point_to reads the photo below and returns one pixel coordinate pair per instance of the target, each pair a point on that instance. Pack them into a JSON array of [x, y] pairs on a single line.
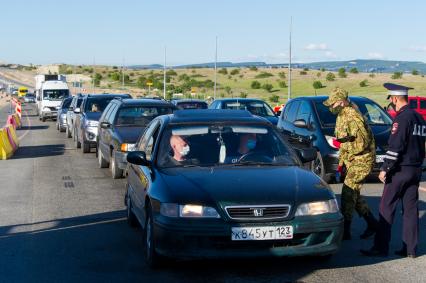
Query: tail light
[[332, 141]]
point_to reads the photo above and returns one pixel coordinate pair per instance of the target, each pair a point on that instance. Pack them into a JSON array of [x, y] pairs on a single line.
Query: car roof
[[146, 101], [188, 100], [215, 115], [239, 99], [107, 95]]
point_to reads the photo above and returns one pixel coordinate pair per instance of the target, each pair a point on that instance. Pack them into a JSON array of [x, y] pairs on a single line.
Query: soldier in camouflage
[[357, 155]]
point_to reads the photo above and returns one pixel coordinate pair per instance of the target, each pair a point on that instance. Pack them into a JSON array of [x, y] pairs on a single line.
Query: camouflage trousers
[[351, 198]]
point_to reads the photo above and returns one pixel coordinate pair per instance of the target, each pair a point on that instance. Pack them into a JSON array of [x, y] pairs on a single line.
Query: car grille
[[258, 212]]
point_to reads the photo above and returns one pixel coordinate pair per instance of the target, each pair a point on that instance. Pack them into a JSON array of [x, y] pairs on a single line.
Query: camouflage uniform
[[356, 153]]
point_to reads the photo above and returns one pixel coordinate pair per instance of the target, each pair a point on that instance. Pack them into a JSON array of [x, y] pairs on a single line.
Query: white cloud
[[417, 48], [316, 47], [375, 55], [268, 58], [330, 54]]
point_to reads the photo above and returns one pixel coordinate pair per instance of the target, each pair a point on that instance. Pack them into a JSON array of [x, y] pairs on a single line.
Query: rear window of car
[[140, 115], [258, 108], [192, 105], [413, 103], [97, 104], [66, 104], [423, 104]]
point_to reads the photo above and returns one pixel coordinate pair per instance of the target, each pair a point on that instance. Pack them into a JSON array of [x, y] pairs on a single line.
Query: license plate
[[380, 158], [262, 233]]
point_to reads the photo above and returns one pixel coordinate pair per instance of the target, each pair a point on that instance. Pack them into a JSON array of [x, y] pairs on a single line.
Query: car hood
[[94, 116], [129, 134], [243, 185]]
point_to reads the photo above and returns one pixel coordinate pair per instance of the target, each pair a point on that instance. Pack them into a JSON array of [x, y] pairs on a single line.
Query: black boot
[[347, 230], [372, 225]]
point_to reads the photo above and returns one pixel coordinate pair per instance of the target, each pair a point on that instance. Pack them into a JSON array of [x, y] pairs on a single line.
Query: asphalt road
[[62, 219]]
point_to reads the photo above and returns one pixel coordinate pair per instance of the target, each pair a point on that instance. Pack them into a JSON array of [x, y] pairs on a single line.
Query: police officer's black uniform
[[403, 162]]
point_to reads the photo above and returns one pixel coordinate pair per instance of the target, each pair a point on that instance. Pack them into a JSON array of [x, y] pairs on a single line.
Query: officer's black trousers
[[400, 185]]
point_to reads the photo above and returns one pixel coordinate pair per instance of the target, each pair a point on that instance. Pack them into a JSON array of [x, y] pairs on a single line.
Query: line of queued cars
[[196, 174]]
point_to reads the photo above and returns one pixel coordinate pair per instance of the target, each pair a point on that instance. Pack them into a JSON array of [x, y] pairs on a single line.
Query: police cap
[[396, 90]]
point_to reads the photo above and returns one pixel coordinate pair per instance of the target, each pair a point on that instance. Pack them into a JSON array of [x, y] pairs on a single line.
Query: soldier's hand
[[382, 176]]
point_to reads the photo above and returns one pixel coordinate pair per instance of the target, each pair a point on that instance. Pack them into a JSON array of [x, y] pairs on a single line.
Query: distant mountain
[[366, 66]]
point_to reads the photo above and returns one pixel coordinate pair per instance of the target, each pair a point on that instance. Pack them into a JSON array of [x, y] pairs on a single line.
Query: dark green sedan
[[225, 183]]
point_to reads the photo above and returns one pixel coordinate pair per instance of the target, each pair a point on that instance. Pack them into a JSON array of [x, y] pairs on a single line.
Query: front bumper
[[90, 134], [49, 114], [314, 235]]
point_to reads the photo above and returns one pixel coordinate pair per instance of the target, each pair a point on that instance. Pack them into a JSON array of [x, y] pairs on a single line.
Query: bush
[[322, 69], [342, 73], [184, 77], [282, 84], [253, 68], [241, 76], [267, 87], [171, 73], [281, 75], [371, 75], [235, 72], [303, 73], [397, 75], [319, 74], [255, 85], [330, 77], [305, 69], [114, 67], [223, 71], [353, 71], [274, 98], [263, 75], [115, 76], [414, 72], [363, 83], [243, 94]]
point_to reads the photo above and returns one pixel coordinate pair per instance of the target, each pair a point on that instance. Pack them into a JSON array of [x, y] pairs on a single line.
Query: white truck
[[50, 91]]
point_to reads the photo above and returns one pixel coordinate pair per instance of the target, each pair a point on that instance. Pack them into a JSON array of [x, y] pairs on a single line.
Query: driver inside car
[[180, 151], [247, 145]]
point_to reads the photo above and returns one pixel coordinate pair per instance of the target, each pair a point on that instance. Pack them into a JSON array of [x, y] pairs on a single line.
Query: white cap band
[[398, 92]]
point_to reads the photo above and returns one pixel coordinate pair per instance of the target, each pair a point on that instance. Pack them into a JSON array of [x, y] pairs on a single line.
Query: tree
[[372, 75], [363, 83], [414, 72], [274, 98], [255, 85], [282, 84], [319, 74], [305, 69], [228, 90], [330, 77], [353, 71], [97, 79], [397, 75], [342, 73], [243, 94], [115, 76], [303, 73], [253, 68], [171, 73], [267, 87], [223, 71], [317, 85], [235, 72], [322, 69], [263, 75]]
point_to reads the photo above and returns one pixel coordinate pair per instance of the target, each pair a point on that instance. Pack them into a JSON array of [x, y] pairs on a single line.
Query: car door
[[422, 107], [287, 120], [303, 136], [102, 143], [109, 133], [139, 177]]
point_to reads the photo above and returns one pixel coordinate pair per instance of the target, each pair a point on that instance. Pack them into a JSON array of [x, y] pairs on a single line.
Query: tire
[[317, 166], [67, 132], [61, 129], [152, 258], [131, 218], [57, 127], [85, 147], [116, 172], [76, 141], [43, 119], [101, 160]]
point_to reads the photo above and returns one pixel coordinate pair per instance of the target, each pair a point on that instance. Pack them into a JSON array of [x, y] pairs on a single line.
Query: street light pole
[[165, 68], [289, 64], [215, 72]]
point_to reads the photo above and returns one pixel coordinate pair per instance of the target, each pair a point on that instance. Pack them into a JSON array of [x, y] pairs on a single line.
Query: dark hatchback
[[305, 120], [254, 106], [190, 104], [120, 126], [209, 207]]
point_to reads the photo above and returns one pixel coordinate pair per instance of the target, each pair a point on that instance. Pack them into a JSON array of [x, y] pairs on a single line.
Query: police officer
[[401, 174], [357, 153]]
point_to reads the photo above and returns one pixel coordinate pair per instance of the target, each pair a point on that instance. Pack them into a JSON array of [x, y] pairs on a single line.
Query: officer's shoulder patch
[[394, 128]]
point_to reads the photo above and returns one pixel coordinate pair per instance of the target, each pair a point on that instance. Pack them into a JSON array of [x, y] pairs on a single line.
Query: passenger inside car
[[95, 108]]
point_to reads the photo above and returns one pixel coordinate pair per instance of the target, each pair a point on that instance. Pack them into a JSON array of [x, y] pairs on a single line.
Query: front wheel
[[76, 141], [115, 171], [67, 132], [153, 259], [85, 147], [317, 166], [131, 218], [101, 160]]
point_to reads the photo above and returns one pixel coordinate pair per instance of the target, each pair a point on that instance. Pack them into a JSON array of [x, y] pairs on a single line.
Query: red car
[[277, 109], [417, 103]]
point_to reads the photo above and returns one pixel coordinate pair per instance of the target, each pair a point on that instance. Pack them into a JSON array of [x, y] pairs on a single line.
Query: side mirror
[[300, 123], [137, 158], [307, 154], [105, 125], [77, 110]]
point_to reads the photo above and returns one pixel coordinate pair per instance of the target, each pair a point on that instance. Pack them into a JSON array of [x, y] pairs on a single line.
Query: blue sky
[[81, 32]]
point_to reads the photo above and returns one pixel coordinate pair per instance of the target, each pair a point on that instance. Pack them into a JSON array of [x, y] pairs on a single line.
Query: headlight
[[316, 208], [46, 109], [90, 123], [188, 211], [127, 147]]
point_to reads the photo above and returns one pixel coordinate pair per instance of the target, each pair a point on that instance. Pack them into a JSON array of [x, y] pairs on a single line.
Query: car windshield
[[66, 103], [230, 145], [140, 115], [372, 112], [192, 105], [97, 104], [55, 94], [258, 108]]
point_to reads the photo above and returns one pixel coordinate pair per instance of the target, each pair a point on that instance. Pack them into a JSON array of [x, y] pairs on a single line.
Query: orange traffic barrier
[[6, 149], [17, 120], [18, 109], [10, 137]]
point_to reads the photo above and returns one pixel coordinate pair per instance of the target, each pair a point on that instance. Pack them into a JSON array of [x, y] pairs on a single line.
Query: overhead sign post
[[149, 84]]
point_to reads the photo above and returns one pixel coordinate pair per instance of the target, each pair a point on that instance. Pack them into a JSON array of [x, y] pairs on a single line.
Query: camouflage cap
[[337, 94]]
